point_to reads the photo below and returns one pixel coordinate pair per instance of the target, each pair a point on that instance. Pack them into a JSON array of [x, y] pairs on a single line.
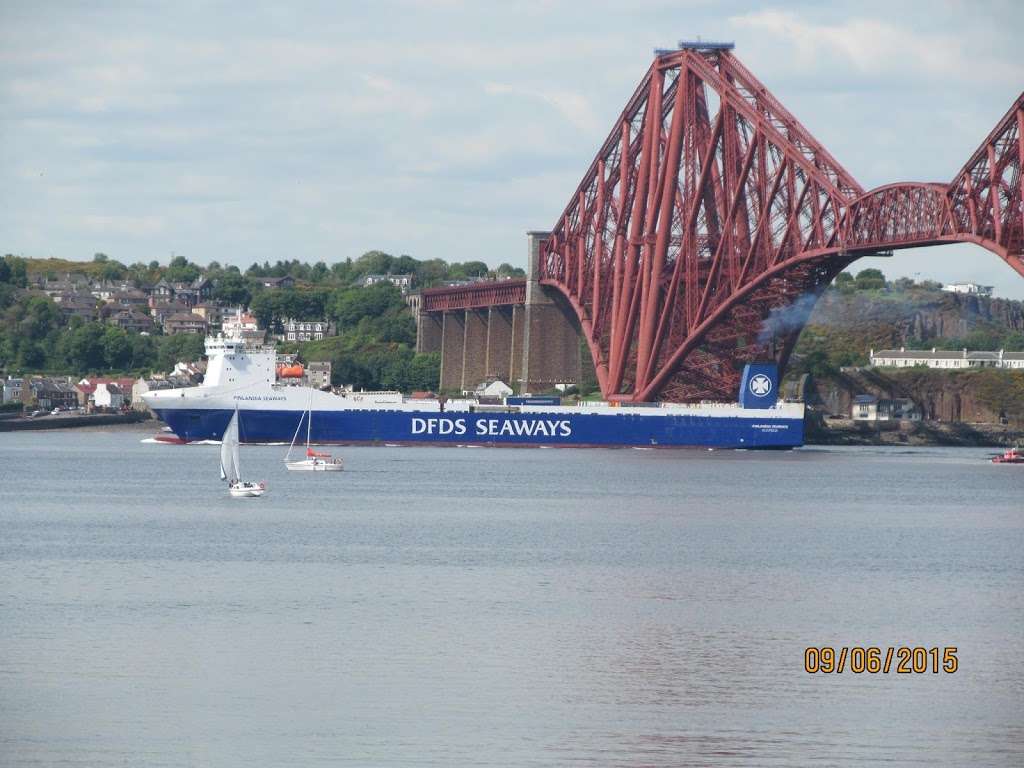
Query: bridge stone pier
[[516, 331]]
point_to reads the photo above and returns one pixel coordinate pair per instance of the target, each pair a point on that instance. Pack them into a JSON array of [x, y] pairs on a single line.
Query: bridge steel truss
[[711, 220]]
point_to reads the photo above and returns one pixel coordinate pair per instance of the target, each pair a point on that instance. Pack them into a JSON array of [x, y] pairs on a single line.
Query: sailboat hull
[[315, 465], [244, 490]]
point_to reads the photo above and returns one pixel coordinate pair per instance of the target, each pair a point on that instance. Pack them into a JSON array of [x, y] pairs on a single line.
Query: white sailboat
[[230, 469], [314, 462]]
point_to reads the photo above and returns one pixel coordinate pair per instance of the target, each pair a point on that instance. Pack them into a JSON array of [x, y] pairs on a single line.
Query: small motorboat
[[1009, 456], [314, 462], [230, 469]]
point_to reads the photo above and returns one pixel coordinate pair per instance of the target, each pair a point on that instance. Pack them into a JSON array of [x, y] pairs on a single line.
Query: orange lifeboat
[[290, 371]]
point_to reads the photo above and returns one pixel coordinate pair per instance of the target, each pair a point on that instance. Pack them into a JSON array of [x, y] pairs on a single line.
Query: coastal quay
[[18, 424]]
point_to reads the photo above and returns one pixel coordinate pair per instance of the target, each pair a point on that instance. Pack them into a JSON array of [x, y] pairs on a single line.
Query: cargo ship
[[242, 374]]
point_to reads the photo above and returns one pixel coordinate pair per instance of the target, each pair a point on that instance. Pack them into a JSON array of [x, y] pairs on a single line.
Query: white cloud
[[124, 225], [434, 127], [876, 47], [571, 105]]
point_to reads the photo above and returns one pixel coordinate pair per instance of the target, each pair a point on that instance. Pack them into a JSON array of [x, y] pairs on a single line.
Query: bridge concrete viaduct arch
[[516, 331], [551, 332]]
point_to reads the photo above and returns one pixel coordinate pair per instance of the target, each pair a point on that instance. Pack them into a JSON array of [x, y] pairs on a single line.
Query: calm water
[[503, 607]]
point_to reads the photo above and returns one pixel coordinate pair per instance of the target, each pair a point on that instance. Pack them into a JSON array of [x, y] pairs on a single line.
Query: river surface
[[515, 607]]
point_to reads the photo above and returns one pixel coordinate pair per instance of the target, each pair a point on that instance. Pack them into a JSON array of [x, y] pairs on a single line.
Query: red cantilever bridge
[[711, 220]]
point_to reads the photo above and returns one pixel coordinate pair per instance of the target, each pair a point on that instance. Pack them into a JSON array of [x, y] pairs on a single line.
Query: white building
[[239, 325], [108, 395], [305, 330], [950, 359], [318, 374], [971, 288], [494, 388], [871, 408], [403, 282]]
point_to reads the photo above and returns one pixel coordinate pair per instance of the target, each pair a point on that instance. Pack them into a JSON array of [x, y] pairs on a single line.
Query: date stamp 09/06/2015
[[902, 660]]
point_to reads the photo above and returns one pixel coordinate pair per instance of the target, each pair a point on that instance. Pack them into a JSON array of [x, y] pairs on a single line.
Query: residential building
[[402, 282], [131, 319], [211, 313], [960, 359], [305, 330], [69, 282], [86, 388], [203, 288], [191, 372], [184, 322], [12, 389], [240, 325], [130, 298], [872, 408], [76, 305], [51, 393], [318, 375], [161, 312], [162, 292], [969, 288], [58, 289], [108, 396], [184, 293], [277, 282], [494, 388]]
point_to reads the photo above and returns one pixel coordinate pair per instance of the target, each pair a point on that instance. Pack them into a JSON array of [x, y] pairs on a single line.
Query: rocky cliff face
[[980, 397], [914, 318]]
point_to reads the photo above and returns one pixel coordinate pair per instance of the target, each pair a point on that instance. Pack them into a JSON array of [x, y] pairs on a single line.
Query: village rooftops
[[287, 281], [946, 358]]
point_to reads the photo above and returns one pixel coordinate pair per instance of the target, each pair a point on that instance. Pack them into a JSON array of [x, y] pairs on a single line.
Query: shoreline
[[133, 420], [911, 433]]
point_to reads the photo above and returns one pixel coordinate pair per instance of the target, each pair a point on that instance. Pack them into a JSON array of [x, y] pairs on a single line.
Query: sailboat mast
[[294, 437], [309, 422]]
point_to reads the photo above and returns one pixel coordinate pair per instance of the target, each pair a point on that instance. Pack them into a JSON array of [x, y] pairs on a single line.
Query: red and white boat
[[314, 462], [1009, 456]]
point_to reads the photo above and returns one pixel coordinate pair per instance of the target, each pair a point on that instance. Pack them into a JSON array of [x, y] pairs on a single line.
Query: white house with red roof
[[94, 391]]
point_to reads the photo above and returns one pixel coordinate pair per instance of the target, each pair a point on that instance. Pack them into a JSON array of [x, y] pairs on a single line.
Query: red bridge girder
[[711, 220], [474, 296]]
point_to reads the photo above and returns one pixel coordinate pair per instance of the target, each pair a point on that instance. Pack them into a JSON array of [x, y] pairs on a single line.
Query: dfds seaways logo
[[493, 427], [760, 385]]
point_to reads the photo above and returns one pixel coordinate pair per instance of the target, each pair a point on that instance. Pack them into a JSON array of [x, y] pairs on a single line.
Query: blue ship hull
[[557, 428]]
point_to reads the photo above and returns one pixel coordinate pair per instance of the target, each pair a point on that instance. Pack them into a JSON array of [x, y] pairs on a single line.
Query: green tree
[[425, 372], [19, 270], [507, 270], [112, 270], [372, 263], [180, 348], [265, 308], [181, 270], [232, 288], [870, 280], [117, 349], [350, 305], [82, 348], [143, 351]]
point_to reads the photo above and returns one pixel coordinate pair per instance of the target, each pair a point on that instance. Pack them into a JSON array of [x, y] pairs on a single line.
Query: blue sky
[[259, 131]]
